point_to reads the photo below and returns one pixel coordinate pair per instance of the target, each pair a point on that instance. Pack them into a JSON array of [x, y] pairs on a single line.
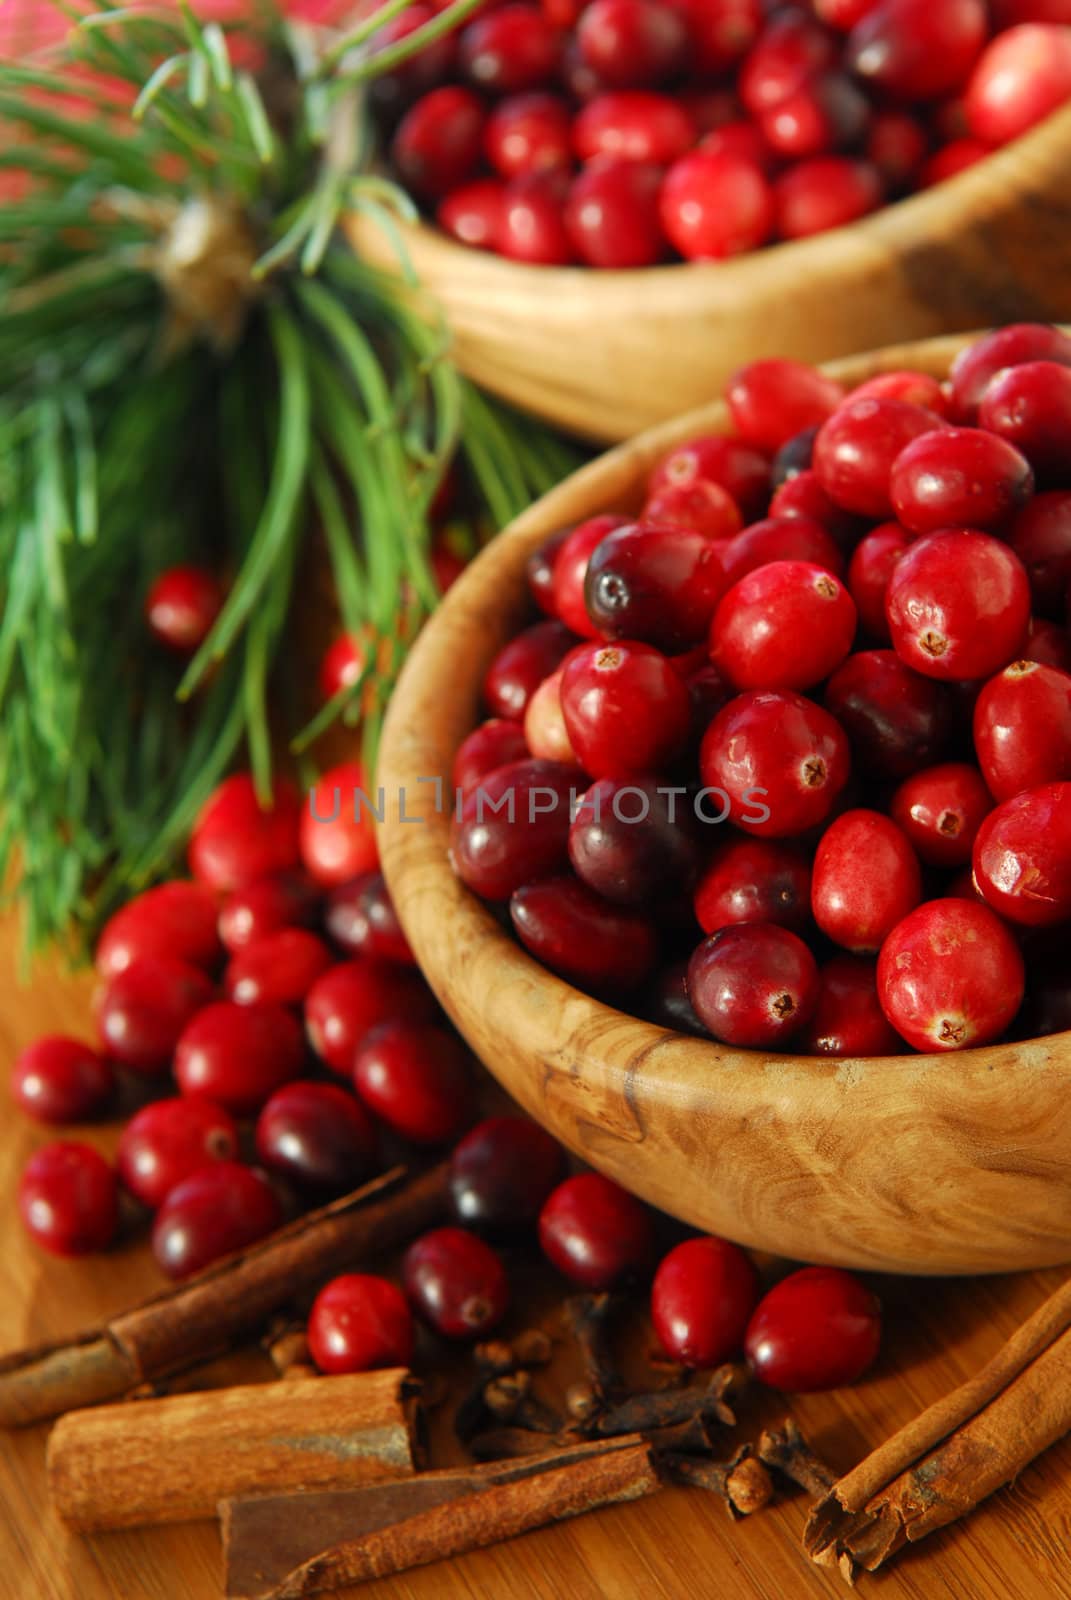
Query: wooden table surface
[[679, 1545]]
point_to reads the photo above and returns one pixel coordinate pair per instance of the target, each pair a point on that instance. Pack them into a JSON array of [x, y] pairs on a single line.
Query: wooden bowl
[[610, 353], [925, 1163]]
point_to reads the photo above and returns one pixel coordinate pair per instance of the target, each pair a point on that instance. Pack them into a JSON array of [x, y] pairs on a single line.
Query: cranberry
[[625, 708], [634, 125], [912, 388], [539, 570], [870, 573], [950, 976], [668, 1004], [940, 810], [495, 743], [279, 969], [918, 49], [823, 193], [263, 907], [720, 32], [772, 400], [1022, 728], [1010, 13], [358, 1323], [472, 214], [510, 49], [414, 1076], [422, 71], [728, 464], [595, 1233], [167, 1141], [175, 920], [68, 1200], [804, 498], [710, 108], [847, 1019], [631, 43], [57, 1079], [754, 880], [715, 205], [529, 133], [979, 363], [1022, 857], [544, 725], [1048, 643], [612, 214], [633, 841], [455, 1282], [532, 223], [338, 841], [742, 141], [702, 1296], [855, 451], [513, 828], [238, 1055], [522, 665], [819, 1328], [824, 114], [318, 1136], [794, 539], [896, 720], [896, 145], [656, 584], [787, 625], [753, 984], [142, 1010], [502, 1172], [342, 665], [438, 142], [951, 160], [361, 919], [960, 475], [794, 457], [349, 1000], [181, 607], [217, 1210], [570, 569], [792, 50], [866, 880], [236, 840], [1030, 407], [781, 761], [958, 605], [1041, 538], [591, 941], [1023, 76]]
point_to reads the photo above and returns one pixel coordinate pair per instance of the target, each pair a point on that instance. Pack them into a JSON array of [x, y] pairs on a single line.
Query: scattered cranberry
[[181, 607], [342, 665], [855, 451], [780, 760], [236, 840], [318, 1136], [521, 666], [217, 1210], [656, 584], [358, 1323], [847, 1019], [743, 472], [1030, 407], [279, 969], [514, 827], [787, 625], [959, 476], [250, 914], [950, 976], [897, 721], [754, 880], [823, 193], [509, 50], [958, 605], [167, 1141], [625, 708], [337, 836], [414, 1076], [819, 1328], [349, 1000], [979, 363], [773, 400], [237, 1056], [1023, 75], [701, 1299], [1022, 728], [714, 205], [633, 125], [1022, 857], [866, 880], [501, 1173], [361, 919], [940, 810], [753, 984], [142, 1010], [439, 140], [68, 1200], [456, 1283], [589, 940], [612, 214], [595, 1233], [631, 43], [496, 743], [57, 1079], [174, 920], [1041, 538]]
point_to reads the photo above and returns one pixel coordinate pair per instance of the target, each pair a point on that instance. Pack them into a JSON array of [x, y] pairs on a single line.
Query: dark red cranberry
[[819, 1328], [174, 920], [338, 840], [866, 880], [532, 222], [917, 49], [950, 976], [1022, 77], [848, 1019], [511, 49], [625, 708], [68, 1199], [959, 476], [358, 1323], [896, 720], [238, 1055], [702, 1296], [570, 569], [529, 133], [941, 810], [742, 141], [56, 1079], [792, 50], [634, 125], [804, 498], [951, 160], [438, 142], [612, 214], [897, 146], [472, 214], [318, 1136], [181, 607], [711, 458], [349, 1000], [958, 605], [753, 984], [780, 538], [1030, 407], [1022, 857], [456, 1283], [780, 761], [668, 1004], [236, 840], [1047, 643], [493, 744], [631, 44], [656, 584], [1047, 1007], [586, 939], [825, 192], [142, 1010], [1022, 728], [855, 451], [167, 1141], [502, 1172], [772, 400], [521, 666], [824, 114], [595, 1233], [341, 667], [633, 841], [1041, 538], [513, 828], [221, 1208], [787, 625], [754, 880], [249, 915], [714, 205], [279, 969], [415, 1077], [870, 573], [539, 570], [702, 506], [979, 363], [360, 917], [720, 32], [794, 457]]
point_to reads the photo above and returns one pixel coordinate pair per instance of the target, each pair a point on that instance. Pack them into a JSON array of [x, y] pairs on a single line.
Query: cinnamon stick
[[202, 1317]]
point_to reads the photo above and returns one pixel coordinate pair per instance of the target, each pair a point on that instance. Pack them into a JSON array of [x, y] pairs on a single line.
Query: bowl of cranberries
[[729, 805], [623, 200]]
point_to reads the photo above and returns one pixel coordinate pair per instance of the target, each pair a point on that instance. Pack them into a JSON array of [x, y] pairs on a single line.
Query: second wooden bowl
[[926, 1163]]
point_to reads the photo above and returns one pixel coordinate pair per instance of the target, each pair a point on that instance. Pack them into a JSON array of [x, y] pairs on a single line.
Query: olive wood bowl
[[609, 353], [947, 1163]]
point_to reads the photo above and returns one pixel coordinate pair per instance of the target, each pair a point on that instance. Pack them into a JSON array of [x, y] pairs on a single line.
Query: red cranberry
[[502, 1172], [917, 49], [855, 451], [896, 720], [263, 907], [438, 142], [958, 605], [824, 114], [68, 1200], [456, 1283], [1022, 728], [570, 569], [742, 141], [847, 1019], [532, 223], [656, 584], [951, 160], [703, 507], [1022, 857], [872, 566], [781, 538], [781, 761], [710, 108], [472, 214], [791, 51], [1030, 407], [361, 919], [633, 841], [56, 1079], [217, 1210], [1010, 13], [529, 133], [544, 725], [631, 43], [1048, 643], [1023, 76], [612, 214], [720, 32], [866, 880], [950, 976], [513, 828], [539, 570], [510, 49], [634, 125], [338, 841], [1041, 538], [754, 880], [521, 666], [702, 1296], [349, 1000], [595, 1233], [823, 193], [896, 145], [493, 744], [753, 984], [181, 607], [912, 388], [959, 476], [176, 920], [142, 1010], [941, 810], [358, 1323], [238, 1055], [741, 471], [414, 1076], [772, 400], [787, 625], [318, 1136], [979, 363], [279, 969], [236, 840], [586, 939], [715, 205], [819, 1328], [342, 665], [167, 1141], [804, 498], [625, 708]]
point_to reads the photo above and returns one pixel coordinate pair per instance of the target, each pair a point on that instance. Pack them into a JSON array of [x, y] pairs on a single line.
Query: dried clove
[[509, 1399], [288, 1348], [786, 1450], [742, 1482], [664, 1408], [496, 1358], [589, 1317]]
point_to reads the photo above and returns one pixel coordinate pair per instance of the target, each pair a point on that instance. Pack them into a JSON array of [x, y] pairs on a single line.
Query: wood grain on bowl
[[932, 1164]]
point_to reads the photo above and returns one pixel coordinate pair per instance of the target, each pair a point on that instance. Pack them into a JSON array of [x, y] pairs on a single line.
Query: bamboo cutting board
[[679, 1545]]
